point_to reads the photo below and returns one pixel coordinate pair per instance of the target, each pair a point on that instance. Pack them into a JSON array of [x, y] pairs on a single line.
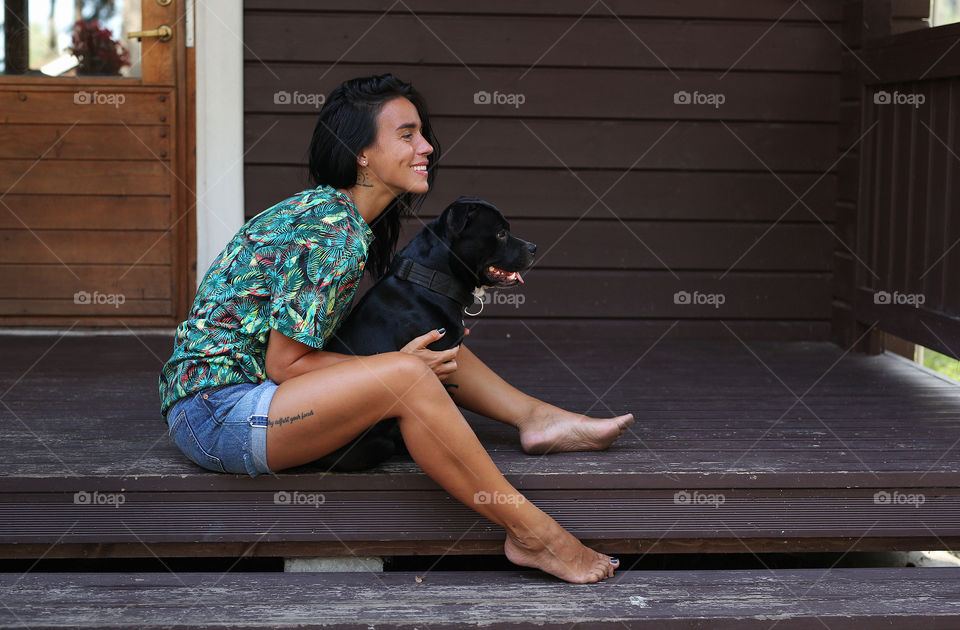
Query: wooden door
[[96, 176]]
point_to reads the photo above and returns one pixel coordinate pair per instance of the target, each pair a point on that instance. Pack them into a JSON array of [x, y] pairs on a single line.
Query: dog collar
[[407, 269]]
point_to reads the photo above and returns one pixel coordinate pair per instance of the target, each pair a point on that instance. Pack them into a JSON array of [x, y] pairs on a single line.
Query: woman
[[249, 388]]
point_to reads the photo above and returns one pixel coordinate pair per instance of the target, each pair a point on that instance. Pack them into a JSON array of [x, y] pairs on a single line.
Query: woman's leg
[[544, 428], [315, 413]]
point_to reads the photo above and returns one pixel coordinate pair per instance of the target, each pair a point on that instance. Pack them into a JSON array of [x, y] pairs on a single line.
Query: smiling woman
[[250, 388]]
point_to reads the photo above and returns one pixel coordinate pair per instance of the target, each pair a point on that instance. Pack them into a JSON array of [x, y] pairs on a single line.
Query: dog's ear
[[458, 213]]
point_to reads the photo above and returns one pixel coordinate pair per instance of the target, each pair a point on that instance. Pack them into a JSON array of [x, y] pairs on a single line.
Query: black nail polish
[[614, 561], [441, 330]]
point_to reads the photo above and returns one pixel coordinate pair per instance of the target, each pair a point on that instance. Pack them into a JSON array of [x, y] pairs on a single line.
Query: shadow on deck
[[766, 446]]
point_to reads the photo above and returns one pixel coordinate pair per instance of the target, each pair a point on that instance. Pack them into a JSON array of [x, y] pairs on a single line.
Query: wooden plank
[[117, 212], [843, 276], [84, 142], [900, 598], [746, 397], [614, 93], [951, 260], [906, 25], [85, 177], [747, 9], [615, 244], [923, 326], [939, 204], [917, 9], [33, 312], [586, 144], [102, 247], [499, 329], [141, 281], [923, 54], [173, 516], [525, 41], [849, 123], [287, 549], [575, 293], [122, 104], [845, 227], [700, 195]]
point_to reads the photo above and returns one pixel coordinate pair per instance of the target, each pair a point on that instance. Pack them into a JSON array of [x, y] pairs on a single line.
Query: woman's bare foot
[[565, 557], [551, 429]]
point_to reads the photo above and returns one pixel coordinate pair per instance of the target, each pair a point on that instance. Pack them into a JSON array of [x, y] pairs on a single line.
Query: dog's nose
[[532, 247]]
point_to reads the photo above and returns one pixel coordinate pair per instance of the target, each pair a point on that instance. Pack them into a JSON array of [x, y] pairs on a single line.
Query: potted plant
[[96, 50]]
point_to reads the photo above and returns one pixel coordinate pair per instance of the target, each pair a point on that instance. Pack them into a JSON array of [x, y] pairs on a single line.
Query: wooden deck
[[764, 446], [842, 599]]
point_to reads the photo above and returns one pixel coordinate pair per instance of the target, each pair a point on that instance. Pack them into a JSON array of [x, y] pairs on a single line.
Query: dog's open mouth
[[501, 277]]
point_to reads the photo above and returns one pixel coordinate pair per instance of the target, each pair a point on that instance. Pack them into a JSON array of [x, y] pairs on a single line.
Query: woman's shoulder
[[323, 203]]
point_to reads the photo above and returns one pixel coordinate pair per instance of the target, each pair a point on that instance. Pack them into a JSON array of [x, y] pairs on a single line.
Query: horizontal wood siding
[[85, 205], [692, 197]]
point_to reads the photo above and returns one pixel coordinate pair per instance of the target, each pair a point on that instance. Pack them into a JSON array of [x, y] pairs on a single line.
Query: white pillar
[[219, 57]]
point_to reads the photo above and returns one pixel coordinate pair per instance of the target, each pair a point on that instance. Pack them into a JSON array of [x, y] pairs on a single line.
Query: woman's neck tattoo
[[362, 180]]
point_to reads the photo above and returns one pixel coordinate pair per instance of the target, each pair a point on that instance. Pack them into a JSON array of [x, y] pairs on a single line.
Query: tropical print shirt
[[294, 267]]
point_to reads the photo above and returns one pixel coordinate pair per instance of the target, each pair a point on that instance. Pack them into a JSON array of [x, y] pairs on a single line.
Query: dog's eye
[[502, 234]]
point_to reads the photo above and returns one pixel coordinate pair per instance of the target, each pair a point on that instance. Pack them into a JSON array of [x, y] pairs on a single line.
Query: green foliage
[[947, 366]]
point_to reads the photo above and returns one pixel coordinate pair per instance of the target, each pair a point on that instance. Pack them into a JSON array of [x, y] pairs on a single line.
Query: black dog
[[429, 285]]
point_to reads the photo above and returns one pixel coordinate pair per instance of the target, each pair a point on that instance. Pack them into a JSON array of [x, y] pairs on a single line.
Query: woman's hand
[[442, 362]]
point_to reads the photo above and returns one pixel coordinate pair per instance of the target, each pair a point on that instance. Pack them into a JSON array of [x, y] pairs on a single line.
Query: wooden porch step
[[838, 599], [724, 457]]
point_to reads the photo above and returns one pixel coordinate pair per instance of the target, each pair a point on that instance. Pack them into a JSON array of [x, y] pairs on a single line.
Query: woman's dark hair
[[347, 125]]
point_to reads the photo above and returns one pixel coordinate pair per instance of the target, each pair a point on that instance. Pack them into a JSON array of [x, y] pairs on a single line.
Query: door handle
[[164, 33]]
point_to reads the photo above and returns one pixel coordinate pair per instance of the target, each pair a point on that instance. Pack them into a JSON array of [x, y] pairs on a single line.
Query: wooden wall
[[898, 198], [694, 197], [87, 221]]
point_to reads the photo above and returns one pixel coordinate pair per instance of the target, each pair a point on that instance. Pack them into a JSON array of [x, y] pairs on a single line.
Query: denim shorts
[[224, 429]]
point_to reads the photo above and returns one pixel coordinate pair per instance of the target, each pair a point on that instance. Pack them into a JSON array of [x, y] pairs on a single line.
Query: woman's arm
[[287, 358]]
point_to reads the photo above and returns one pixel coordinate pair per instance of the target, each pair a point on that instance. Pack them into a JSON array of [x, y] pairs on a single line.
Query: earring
[[363, 162]]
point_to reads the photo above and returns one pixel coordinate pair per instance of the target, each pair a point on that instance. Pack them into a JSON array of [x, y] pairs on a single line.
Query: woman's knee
[[407, 366], [416, 378]]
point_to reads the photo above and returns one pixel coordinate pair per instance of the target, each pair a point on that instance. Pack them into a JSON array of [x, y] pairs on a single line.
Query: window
[[944, 12], [69, 37]]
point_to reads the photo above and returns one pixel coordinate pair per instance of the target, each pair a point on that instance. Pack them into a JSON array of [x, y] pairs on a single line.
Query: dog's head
[[482, 249]]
